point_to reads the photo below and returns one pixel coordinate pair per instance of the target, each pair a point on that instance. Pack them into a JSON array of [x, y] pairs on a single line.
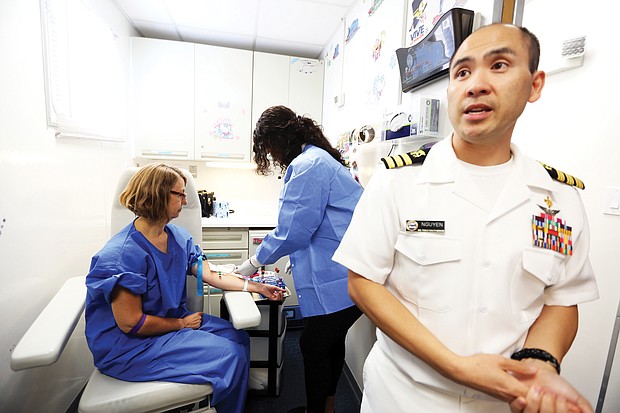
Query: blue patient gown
[[216, 353]]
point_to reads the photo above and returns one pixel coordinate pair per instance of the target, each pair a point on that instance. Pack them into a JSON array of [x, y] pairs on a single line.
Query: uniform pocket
[[540, 269], [424, 266], [429, 250], [546, 265]]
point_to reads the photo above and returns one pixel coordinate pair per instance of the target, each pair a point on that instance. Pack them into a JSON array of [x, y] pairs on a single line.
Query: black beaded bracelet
[[536, 353]]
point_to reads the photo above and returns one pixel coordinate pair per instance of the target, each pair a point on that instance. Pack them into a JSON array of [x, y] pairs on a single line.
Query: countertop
[[246, 215]]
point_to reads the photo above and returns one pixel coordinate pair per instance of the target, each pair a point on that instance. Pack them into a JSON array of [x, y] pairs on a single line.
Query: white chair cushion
[[242, 309], [104, 394]]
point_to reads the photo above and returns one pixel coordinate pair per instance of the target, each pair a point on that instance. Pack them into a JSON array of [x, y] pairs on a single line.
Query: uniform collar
[[441, 164]]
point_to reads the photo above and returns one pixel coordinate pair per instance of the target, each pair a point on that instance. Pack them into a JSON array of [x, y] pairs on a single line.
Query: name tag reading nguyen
[[413, 225]]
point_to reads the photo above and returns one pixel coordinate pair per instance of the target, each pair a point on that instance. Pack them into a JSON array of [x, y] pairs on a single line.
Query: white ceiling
[[293, 27]]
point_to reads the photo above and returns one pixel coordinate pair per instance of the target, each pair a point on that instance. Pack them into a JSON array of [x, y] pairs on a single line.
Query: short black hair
[[529, 37]]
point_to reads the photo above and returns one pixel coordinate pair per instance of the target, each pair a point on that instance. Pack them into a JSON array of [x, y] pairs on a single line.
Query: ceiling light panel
[[236, 41], [299, 20], [150, 10], [157, 30], [229, 16], [288, 48]]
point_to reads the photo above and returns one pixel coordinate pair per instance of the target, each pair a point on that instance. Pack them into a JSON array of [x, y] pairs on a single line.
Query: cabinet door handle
[[219, 156], [167, 153]]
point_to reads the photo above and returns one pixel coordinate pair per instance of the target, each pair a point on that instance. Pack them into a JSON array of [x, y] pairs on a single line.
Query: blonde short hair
[[148, 191]]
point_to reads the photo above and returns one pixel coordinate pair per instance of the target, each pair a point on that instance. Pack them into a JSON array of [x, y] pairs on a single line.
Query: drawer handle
[[227, 238], [223, 255]]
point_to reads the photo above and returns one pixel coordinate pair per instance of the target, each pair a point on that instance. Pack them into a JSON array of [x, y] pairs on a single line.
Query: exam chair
[[44, 341]]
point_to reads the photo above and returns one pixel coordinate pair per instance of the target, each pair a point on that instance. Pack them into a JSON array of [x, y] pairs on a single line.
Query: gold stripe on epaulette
[[563, 177], [404, 159], [399, 161]]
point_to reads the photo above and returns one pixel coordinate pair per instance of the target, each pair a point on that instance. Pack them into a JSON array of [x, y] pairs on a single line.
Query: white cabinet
[[290, 81], [191, 101], [201, 102], [222, 246], [162, 74], [305, 95], [223, 103], [271, 72]]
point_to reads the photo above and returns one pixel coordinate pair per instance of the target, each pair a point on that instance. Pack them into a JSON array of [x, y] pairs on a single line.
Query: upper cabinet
[[200, 102], [163, 98], [223, 103], [290, 81], [305, 94], [271, 73]]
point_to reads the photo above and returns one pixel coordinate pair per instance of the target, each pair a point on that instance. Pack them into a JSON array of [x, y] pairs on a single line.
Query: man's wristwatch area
[[536, 353]]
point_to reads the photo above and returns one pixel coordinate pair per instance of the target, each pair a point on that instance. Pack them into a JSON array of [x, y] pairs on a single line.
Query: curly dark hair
[[280, 132]]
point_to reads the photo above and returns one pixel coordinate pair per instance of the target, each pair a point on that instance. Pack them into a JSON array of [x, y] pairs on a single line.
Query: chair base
[[104, 394]]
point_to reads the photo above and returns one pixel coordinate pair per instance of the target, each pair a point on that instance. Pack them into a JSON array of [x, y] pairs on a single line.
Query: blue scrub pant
[[216, 353]]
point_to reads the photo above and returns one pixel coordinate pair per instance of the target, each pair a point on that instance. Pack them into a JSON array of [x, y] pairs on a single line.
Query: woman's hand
[[268, 291], [192, 321]]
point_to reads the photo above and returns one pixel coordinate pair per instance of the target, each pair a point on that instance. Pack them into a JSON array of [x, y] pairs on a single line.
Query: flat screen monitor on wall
[[429, 59]]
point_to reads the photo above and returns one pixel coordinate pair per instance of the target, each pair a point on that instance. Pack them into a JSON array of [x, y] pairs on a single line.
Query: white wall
[[573, 128], [244, 190], [54, 209]]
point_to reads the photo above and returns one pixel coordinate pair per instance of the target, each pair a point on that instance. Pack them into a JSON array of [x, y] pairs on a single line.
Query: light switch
[[612, 201]]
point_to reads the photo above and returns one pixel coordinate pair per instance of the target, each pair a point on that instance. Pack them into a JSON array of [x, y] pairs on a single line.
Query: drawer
[[259, 349], [235, 257], [259, 379], [264, 318], [220, 238]]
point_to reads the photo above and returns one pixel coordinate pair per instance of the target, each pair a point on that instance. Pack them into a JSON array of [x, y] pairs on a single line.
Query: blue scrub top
[[316, 205]]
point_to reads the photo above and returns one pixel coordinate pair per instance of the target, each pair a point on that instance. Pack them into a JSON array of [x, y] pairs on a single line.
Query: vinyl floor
[[292, 393]]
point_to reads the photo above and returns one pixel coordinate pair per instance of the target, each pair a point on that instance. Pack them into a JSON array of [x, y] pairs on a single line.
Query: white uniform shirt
[[480, 285]]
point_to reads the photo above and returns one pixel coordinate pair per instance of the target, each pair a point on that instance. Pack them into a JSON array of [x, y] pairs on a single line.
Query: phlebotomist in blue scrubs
[[137, 324], [316, 205]]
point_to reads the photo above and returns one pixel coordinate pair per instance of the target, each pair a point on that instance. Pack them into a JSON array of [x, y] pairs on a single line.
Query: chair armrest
[[46, 338], [242, 309]]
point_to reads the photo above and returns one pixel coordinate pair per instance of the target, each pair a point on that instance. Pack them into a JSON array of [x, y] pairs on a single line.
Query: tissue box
[[428, 123]]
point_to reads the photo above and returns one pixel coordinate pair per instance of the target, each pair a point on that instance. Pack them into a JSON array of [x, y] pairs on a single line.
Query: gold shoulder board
[[403, 159], [563, 177]]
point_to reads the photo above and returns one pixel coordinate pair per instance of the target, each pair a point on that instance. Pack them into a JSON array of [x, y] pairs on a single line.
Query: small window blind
[[84, 72]]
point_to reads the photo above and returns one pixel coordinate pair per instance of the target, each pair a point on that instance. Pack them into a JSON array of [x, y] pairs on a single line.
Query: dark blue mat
[[292, 393]]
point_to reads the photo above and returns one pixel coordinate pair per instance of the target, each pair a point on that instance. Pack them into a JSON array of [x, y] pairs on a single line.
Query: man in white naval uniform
[[474, 256]]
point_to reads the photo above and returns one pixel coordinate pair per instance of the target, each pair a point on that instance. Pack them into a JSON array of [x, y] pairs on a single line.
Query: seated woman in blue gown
[[138, 327]]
